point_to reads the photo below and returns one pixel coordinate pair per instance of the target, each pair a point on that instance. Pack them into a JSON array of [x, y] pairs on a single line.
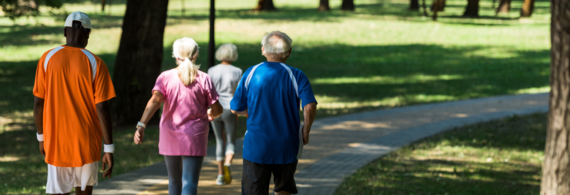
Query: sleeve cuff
[[39, 95], [99, 100]]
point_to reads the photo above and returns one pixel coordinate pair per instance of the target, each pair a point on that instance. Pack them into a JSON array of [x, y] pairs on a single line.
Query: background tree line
[[142, 43]]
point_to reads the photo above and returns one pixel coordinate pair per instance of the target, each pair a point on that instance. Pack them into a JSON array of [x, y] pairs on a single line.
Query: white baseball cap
[[78, 16]]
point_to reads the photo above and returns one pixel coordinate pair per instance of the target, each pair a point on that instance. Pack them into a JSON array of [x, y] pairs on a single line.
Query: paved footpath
[[341, 145]]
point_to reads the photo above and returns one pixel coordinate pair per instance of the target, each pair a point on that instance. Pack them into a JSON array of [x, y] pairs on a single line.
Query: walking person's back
[[72, 114], [271, 93], [225, 77], [186, 93]]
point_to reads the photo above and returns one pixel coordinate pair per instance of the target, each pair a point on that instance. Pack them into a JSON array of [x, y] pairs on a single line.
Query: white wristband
[[40, 137], [109, 148], [141, 124]]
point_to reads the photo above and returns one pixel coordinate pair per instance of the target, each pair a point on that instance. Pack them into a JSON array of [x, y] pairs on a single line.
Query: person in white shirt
[[225, 77]]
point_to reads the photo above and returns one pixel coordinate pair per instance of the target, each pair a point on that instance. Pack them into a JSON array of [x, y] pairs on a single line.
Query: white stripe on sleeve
[[49, 55], [93, 62]]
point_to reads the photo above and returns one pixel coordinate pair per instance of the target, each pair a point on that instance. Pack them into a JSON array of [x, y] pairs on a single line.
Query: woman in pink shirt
[[187, 93]]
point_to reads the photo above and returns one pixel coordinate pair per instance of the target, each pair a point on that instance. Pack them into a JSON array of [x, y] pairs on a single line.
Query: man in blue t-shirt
[[271, 93]]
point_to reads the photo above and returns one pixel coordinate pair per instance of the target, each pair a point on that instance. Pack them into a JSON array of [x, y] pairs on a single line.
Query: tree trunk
[[437, 6], [265, 5], [424, 7], [504, 6], [556, 165], [324, 5], [212, 42], [103, 3], [414, 5], [527, 8], [139, 59], [183, 7], [347, 5], [472, 9]]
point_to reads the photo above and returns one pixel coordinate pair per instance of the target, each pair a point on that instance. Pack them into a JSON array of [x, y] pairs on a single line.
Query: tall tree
[[103, 3], [472, 9], [437, 6], [556, 165], [324, 5], [139, 58], [347, 5], [527, 8], [212, 42], [183, 7], [265, 5], [504, 6], [415, 5], [424, 8]]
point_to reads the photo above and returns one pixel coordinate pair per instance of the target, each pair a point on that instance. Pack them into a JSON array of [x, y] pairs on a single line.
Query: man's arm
[[240, 112], [309, 112], [39, 119], [104, 113]]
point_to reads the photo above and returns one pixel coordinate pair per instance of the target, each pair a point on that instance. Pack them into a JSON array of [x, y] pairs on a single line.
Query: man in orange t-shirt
[[71, 110]]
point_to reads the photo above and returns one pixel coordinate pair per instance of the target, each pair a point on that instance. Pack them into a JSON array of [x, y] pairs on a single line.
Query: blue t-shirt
[[273, 124]]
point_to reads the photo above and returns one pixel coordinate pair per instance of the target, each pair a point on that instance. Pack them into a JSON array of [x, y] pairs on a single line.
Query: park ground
[[379, 56]]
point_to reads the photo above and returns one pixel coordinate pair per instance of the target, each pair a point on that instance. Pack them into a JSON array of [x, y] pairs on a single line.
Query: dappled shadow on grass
[[17, 81], [497, 157], [30, 35], [26, 171], [361, 78]]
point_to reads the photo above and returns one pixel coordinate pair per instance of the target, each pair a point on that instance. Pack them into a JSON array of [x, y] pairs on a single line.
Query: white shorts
[[62, 180]]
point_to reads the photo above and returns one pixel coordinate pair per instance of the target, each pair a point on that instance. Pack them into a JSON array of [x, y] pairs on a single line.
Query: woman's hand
[[210, 117], [139, 135]]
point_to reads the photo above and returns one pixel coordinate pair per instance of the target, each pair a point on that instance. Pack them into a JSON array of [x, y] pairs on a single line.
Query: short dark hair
[[79, 25]]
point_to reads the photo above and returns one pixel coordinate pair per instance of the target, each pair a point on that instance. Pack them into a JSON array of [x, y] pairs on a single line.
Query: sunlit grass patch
[[498, 157]]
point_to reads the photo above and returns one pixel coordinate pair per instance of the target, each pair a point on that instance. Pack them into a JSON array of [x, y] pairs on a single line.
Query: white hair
[[276, 44], [227, 52], [185, 50]]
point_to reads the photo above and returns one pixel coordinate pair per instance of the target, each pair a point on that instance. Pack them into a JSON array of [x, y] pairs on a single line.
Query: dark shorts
[[256, 178]]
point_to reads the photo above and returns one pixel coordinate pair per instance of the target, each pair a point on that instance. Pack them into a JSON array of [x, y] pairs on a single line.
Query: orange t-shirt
[[72, 81]]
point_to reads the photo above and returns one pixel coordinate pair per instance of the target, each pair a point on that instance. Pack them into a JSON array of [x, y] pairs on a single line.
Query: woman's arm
[[151, 107], [215, 111]]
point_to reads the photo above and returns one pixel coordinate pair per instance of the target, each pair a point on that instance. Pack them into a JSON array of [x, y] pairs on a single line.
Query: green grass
[[498, 157], [379, 56]]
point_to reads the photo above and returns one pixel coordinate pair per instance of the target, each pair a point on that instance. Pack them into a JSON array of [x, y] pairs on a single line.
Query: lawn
[[498, 157], [379, 56]]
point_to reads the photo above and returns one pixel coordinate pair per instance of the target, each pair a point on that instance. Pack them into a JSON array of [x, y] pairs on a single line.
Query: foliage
[[498, 157], [18, 8], [378, 56]]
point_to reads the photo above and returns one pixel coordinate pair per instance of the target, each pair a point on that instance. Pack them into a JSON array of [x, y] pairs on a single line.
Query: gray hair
[[276, 44], [227, 52]]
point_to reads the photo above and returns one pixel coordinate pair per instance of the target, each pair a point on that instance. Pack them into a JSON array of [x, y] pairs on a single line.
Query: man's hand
[[108, 162], [42, 151], [309, 112], [139, 135], [305, 138]]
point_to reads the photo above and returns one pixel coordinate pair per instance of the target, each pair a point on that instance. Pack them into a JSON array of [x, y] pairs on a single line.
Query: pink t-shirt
[[184, 122]]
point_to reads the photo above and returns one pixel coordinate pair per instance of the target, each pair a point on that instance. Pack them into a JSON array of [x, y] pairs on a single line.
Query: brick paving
[[341, 145]]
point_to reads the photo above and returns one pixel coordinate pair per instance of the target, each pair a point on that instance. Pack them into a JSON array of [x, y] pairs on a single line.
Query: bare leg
[[282, 193], [229, 158], [220, 167], [88, 190]]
